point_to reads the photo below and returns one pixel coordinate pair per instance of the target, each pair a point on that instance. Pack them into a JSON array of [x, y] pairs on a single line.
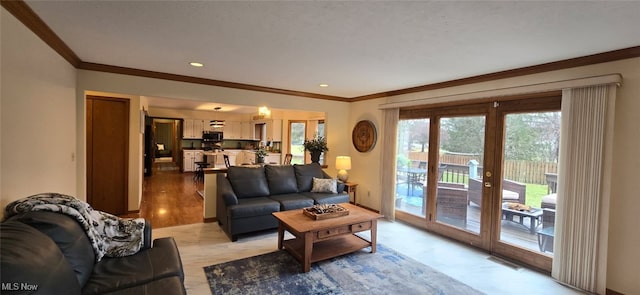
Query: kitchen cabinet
[[192, 128], [274, 130], [247, 131], [272, 158], [189, 157], [239, 130], [232, 130]]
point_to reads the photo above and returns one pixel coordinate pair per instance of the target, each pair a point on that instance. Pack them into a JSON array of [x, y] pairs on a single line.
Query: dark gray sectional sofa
[[247, 196]]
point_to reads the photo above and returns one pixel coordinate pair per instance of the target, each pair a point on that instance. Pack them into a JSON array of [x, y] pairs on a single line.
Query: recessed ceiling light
[[196, 64], [324, 85]]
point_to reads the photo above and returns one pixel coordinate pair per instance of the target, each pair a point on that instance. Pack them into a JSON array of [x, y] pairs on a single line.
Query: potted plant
[[260, 154], [316, 146]]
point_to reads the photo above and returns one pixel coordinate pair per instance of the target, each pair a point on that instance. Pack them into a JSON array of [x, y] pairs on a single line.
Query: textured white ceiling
[[357, 47]]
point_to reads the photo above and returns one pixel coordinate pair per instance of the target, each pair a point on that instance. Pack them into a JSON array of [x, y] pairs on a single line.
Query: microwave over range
[[212, 136]]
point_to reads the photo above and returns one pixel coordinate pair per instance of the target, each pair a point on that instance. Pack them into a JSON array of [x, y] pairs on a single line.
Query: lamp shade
[[343, 162]]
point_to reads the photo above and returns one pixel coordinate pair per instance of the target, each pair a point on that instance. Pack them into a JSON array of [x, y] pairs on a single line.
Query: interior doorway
[[164, 144], [107, 135]]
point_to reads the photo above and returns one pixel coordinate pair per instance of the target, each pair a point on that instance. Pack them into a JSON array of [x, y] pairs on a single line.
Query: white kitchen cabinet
[[274, 130], [192, 128], [272, 158], [189, 157], [232, 130], [239, 130], [247, 131]]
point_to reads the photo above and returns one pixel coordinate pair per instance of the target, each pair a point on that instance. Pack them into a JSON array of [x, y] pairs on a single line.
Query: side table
[[545, 239], [351, 187]]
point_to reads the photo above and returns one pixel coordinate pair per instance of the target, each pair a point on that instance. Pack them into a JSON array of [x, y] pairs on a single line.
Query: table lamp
[[343, 163]]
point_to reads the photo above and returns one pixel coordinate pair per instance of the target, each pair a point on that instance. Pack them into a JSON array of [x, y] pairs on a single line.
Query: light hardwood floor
[[175, 209]]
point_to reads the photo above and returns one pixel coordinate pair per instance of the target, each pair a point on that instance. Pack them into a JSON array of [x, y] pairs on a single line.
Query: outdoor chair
[[475, 191], [451, 204]]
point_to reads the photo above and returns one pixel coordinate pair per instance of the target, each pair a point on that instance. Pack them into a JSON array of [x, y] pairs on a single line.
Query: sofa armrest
[[146, 235], [225, 191], [341, 187]]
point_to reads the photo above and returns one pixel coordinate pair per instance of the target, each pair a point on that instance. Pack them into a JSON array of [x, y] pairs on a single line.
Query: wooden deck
[[511, 232]]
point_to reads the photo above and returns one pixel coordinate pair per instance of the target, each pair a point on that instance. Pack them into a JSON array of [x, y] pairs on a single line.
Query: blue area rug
[[384, 272]]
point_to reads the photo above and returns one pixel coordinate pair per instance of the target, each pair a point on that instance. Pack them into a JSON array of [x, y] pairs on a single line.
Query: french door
[[477, 173]]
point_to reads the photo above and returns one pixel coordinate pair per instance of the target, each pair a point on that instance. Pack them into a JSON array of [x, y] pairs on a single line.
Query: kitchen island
[[237, 157]]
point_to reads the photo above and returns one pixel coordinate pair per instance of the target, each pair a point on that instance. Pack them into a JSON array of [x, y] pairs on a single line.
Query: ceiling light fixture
[[196, 64], [263, 113], [216, 123], [324, 85]]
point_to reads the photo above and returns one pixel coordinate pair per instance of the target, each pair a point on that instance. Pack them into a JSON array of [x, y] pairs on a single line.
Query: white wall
[[624, 241], [38, 116]]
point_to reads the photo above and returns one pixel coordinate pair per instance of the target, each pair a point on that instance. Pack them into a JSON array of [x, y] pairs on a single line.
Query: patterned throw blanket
[[109, 235]]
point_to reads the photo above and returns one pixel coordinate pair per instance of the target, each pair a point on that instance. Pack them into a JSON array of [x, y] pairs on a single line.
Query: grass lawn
[[535, 192]]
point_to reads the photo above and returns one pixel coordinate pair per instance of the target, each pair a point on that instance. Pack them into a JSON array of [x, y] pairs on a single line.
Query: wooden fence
[[520, 171]]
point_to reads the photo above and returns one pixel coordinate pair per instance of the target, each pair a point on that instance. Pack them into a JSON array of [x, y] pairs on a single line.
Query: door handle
[[487, 184]]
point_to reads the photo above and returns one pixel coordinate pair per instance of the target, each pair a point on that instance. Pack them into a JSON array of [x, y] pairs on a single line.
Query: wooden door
[[107, 153]]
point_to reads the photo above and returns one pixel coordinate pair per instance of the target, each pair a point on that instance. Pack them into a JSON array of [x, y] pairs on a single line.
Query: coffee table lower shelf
[[326, 249]]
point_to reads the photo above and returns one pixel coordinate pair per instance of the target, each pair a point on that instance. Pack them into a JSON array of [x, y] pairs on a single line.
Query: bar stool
[[199, 174]]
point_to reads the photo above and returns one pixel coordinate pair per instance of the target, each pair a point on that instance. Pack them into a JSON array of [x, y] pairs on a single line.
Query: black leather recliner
[[51, 253]]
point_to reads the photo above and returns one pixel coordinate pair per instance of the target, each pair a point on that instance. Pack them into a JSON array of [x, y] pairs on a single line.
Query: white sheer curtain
[[389, 147], [583, 187]]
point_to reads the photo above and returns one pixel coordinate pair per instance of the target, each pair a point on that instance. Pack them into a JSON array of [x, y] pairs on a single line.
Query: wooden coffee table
[[317, 240]]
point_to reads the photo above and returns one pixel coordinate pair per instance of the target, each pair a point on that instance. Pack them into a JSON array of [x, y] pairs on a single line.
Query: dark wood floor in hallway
[[169, 198]]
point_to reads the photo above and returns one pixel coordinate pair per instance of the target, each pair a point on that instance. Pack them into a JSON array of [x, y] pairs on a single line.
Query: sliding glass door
[[479, 173]]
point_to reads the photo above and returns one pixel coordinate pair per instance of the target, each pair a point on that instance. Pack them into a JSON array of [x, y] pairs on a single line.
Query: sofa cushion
[[30, 257], [281, 179], [324, 198], [68, 234], [324, 185], [111, 274], [250, 207], [248, 182], [305, 175], [292, 201], [549, 201]]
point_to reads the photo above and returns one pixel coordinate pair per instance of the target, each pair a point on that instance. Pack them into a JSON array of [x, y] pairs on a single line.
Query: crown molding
[[190, 79], [609, 56], [31, 20], [21, 11]]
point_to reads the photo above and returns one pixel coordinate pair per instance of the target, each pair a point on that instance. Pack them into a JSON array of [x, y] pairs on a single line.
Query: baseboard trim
[[133, 212], [611, 292], [209, 220], [365, 207]]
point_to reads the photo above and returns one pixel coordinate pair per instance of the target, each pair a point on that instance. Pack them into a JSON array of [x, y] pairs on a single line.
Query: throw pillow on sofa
[[324, 185]]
